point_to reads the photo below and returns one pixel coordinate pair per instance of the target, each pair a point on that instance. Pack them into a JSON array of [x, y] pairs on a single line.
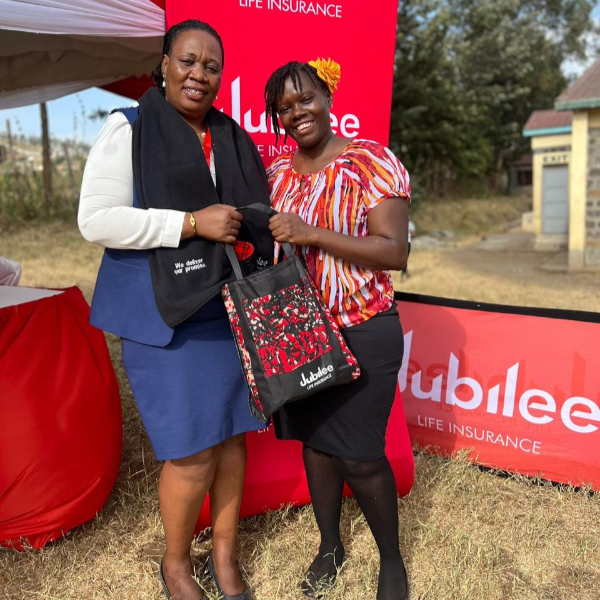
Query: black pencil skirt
[[350, 421]]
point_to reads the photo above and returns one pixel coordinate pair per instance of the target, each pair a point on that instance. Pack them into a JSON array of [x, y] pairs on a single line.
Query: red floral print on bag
[[287, 328]]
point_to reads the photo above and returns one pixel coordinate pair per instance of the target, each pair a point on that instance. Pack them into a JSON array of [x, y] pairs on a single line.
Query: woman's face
[[304, 114], [192, 73]]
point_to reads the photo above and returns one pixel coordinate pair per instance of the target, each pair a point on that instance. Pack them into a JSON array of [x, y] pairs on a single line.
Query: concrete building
[[566, 172]]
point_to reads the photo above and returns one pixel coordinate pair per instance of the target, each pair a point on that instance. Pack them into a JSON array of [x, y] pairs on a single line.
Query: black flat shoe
[[405, 576], [164, 584], [407, 585], [210, 566], [318, 588]]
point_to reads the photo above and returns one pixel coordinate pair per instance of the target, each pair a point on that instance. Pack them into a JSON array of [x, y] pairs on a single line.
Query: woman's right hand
[[218, 223]]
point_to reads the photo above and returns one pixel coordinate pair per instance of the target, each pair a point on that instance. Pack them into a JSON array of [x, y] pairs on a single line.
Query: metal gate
[[555, 199]]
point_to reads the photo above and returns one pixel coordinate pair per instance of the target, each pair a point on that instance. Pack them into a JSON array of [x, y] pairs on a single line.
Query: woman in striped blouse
[[344, 204]]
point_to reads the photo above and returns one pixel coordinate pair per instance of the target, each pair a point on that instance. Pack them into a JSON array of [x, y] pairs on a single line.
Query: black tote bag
[[289, 344]]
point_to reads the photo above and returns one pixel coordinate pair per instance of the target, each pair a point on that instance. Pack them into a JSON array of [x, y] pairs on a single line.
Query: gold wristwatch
[[193, 223]]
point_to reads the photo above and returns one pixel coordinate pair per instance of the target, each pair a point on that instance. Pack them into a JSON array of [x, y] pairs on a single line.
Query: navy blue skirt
[[191, 394]]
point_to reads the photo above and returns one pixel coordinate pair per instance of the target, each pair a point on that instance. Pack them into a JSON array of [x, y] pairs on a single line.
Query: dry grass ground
[[467, 534], [509, 277], [468, 217]]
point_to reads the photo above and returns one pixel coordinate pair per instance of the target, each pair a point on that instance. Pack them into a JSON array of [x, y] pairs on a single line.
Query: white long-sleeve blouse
[[106, 212]]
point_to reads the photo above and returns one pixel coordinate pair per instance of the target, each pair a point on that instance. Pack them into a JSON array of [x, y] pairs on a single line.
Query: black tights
[[372, 483]]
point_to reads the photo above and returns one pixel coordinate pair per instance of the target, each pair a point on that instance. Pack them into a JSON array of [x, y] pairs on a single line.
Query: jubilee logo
[[348, 124], [317, 377], [535, 405]]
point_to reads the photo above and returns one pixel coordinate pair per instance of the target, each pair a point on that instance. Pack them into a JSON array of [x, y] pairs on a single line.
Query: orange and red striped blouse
[[339, 197]]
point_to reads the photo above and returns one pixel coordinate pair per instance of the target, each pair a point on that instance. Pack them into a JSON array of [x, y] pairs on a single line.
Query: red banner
[[521, 390], [261, 35]]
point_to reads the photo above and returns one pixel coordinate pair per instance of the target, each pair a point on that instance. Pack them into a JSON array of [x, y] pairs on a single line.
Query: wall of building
[[592, 221], [578, 172]]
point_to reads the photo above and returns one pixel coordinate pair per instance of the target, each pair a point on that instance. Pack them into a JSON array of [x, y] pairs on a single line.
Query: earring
[[164, 83]]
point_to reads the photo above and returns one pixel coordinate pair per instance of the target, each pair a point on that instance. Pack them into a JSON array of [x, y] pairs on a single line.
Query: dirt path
[[503, 277]]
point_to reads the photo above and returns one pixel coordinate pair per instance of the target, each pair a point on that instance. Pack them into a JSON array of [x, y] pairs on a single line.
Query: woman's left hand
[[287, 227]]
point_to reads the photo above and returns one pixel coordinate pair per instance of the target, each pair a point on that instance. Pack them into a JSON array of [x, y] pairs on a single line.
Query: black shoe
[[210, 565], [164, 584], [405, 577], [407, 585], [317, 588]]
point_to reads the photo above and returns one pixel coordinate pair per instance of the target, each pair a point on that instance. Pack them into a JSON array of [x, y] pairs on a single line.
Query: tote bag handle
[[232, 256]]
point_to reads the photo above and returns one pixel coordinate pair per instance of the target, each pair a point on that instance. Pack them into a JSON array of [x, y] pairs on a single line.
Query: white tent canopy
[[50, 48]]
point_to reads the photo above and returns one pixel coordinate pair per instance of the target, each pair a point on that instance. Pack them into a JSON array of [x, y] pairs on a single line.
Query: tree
[[431, 115], [98, 114], [510, 56], [468, 75]]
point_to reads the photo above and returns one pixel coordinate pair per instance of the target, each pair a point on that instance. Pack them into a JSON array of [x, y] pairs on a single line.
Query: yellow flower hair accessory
[[327, 70]]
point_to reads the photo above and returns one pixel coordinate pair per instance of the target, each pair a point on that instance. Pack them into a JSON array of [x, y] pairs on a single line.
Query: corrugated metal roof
[[548, 119], [583, 93]]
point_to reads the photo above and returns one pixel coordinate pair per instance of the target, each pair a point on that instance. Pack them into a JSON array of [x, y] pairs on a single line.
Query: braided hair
[[169, 40], [274, 88]]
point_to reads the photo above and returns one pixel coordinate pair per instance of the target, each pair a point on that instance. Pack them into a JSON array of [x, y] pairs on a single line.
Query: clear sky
[[62, 114]]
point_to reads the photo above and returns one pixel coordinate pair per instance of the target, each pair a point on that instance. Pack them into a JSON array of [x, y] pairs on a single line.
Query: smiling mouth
[[195, 92], [304, 126]]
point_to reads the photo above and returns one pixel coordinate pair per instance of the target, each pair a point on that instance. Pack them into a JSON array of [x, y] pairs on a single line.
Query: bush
[[22, 198]]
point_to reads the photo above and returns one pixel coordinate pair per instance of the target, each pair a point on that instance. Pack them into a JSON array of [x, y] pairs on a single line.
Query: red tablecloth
[[60, 431]]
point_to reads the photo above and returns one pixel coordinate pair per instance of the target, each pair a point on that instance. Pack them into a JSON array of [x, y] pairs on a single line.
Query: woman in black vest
[[160, 193]]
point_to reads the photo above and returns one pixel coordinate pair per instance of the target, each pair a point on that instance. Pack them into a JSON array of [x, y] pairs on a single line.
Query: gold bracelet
[[193, 223]]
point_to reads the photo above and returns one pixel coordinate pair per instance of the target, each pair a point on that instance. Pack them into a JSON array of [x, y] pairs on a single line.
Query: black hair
[[169, 40], [276, 83]]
